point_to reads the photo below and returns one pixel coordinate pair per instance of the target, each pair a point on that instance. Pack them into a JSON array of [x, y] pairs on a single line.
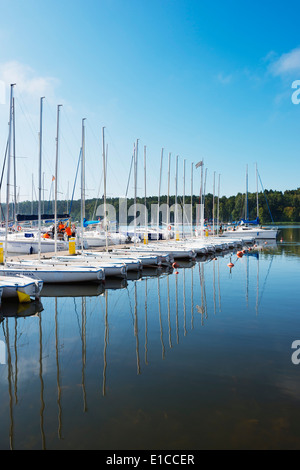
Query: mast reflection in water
[[194, 360]]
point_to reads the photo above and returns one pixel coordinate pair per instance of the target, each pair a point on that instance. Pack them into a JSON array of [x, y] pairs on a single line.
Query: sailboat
[[51, 272], [95, 233], [251, 228], [11, 286], [20, 240]]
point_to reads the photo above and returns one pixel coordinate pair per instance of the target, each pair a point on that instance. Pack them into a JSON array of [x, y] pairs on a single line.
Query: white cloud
[[28, 82], [288, 63], [224, 79]]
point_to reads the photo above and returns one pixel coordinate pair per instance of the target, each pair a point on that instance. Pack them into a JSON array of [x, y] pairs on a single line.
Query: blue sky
[[200, 79]]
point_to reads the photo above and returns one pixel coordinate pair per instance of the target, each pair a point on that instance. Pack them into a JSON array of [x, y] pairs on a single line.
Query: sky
[[203, 80]]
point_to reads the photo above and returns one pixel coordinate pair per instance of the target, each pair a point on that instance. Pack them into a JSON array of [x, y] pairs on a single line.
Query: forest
[[274, 206]]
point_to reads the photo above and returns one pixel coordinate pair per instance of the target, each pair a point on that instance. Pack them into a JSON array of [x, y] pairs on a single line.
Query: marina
[[184, 358], [149, 228]]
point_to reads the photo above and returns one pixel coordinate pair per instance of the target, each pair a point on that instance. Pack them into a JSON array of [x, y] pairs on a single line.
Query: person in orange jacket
[[68, 231], [61, 227]]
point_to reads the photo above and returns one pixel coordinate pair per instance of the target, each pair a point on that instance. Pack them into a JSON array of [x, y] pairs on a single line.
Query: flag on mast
[[199, 164]]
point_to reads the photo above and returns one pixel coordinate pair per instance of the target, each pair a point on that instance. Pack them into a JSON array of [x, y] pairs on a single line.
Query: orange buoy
[[230, 265], [176, 272], [174, 265], [240, 254]]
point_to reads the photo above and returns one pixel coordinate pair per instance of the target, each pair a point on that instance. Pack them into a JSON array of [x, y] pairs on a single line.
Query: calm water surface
[[201, 359]]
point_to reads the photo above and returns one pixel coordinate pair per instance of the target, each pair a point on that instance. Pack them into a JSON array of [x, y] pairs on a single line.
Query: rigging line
[[30, 122], [112, 142], [97, 198], [115, 176], [77, 317], [265, 196], [50, 167], [48, 159], [129, 176], [97, 139], [130, 305], [76, 136], [79, 159], [5, 156], [96, 151], [267, 275]]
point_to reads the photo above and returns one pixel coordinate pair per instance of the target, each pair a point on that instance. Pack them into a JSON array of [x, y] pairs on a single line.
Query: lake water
[[197, 360]]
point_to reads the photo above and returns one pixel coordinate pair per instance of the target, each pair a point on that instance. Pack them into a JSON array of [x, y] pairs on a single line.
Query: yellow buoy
[[23, 297], [72, 248]]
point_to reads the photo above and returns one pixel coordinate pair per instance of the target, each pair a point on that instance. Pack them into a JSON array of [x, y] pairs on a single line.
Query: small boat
[[256, 231], [110, 269], [146, 259], [101, 259], [20, 287], [166, 248], [27, 242], [53, 273]]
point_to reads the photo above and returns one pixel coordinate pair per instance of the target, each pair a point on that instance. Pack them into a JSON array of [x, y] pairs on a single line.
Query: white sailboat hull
[[167, 249], [31, 245], [19, 287], [259, 233], [54, 274], [90, 257], [110, 269]]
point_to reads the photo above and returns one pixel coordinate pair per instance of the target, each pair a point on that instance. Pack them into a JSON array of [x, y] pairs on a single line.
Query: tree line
[[274, 206]]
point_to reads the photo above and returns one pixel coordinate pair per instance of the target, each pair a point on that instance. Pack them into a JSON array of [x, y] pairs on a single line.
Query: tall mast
[[168, 197], [246, 200], [213, 214], [218, 209], [176, 211], [135, 150], [159, 187], [202, 201], [40, 176], [104, 186], [14, 156], [56, 171], [145, 186], [183, 199], [257, 210], [8, 167], [82, 178], [192, 200]]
